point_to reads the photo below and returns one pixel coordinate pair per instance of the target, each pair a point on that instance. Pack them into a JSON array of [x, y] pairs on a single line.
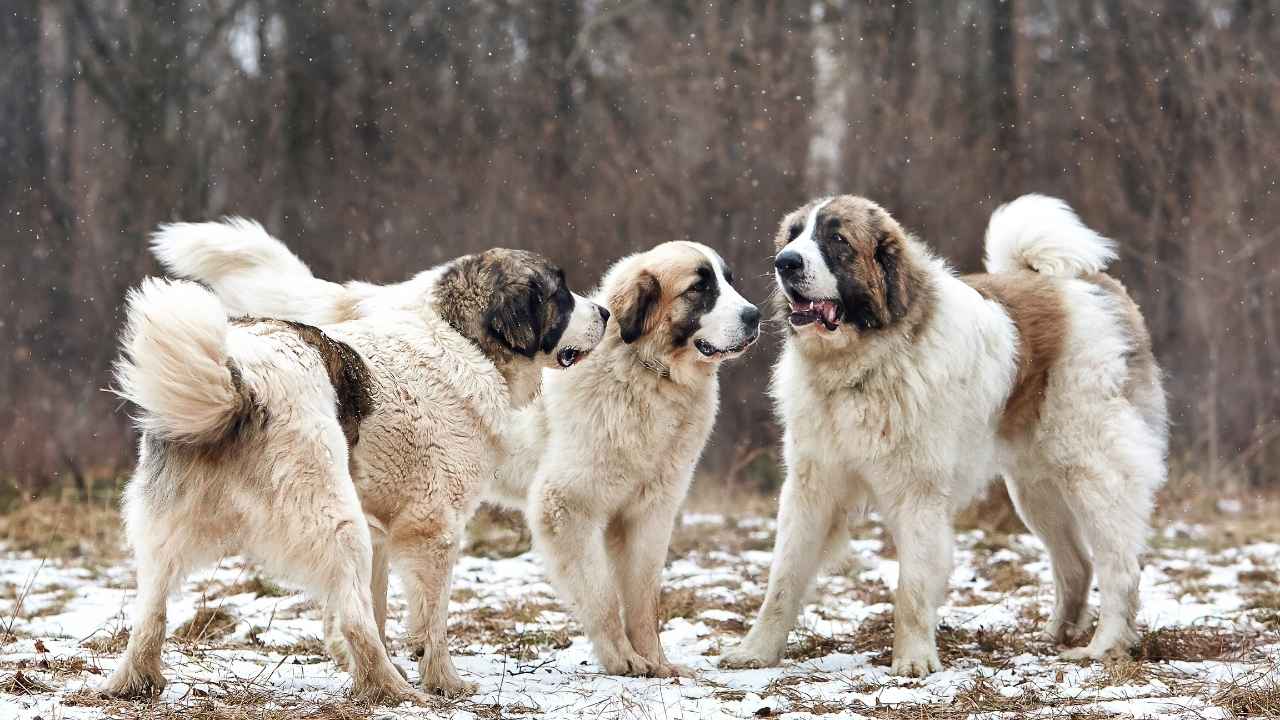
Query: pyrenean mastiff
[[904, 389], [324, 452]]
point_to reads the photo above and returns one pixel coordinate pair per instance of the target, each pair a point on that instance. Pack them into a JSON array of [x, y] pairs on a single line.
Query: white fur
[[1043, 234], [817, 280], [175, 364], [722, 327], [908, 426], [252, 272]]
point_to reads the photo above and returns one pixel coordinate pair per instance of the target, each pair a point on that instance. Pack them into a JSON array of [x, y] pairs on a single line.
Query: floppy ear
[[513, 321], [897, 298], [633, 305]]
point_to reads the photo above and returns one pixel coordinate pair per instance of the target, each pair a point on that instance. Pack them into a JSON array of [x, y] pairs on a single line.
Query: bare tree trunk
[[1004, 97]]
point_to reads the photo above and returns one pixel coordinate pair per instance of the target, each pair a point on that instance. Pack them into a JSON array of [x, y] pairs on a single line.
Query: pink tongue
[[828, 310]]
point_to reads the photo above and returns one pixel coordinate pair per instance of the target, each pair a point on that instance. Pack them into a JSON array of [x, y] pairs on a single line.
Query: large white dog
[[904, 388], [325, 452], [600, 464]]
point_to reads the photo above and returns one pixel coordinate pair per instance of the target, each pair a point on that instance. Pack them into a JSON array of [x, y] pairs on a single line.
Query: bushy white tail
[[251, 272], [175, 365], [1044, 234]]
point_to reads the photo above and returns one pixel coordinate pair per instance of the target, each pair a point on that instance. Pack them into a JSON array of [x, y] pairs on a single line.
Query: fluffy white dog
[[906, 388]]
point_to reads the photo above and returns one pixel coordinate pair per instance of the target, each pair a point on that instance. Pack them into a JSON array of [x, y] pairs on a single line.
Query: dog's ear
[[897, 293], [513, 319], [633, 306]]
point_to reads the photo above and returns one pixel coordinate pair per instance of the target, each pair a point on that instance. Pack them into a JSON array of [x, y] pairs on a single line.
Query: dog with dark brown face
[[905, 388], [356, 431], [516, 306], [603, 463]]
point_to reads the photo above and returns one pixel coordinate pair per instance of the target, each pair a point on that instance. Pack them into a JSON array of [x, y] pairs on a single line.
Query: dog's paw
[[442, 679], [672, 670], [628, 663], [1069, 631], [391, 695], [455, 687], [1090, 653], [131, 683], [743, 658], [915, 664]]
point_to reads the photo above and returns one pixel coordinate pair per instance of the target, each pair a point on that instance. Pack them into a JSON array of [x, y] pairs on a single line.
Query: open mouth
[[569, 357], [711, 351], [806, 312]]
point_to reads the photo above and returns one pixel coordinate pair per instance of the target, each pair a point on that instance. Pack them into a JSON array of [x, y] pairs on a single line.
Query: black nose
[[788, 262], [751, 317], [604, 314]]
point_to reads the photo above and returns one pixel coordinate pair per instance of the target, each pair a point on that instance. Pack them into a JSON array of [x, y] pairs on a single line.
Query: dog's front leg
[[572, 544], [424, 553], [637, 545], [921, 529], [811, 506]]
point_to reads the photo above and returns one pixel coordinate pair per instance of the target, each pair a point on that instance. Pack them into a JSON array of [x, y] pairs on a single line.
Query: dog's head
[[842, 268], [518, 309], [677, 305]]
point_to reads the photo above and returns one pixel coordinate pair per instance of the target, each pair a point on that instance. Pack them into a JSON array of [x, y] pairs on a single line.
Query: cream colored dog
[[905, 388], [324, 453], [600, 464], [615, 450]]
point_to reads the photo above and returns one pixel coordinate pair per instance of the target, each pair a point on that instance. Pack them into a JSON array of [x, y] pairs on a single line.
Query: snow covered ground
[[1210, 649]]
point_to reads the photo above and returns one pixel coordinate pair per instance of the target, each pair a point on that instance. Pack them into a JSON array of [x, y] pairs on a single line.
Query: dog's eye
[[699, 287], [837, 237], [793, 232]]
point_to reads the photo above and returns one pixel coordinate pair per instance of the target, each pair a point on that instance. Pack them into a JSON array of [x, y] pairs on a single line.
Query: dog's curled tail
[[252, 272], [1040, 233], [212, 250], [174, 364]]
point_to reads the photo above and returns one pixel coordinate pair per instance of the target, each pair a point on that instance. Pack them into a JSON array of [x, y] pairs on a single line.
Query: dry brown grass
[[110, 644], [257, 585], [21, 683], [209, 623], [63, 529], [1264, 606], [1193, 643], [224, 702], [58, 667], [515, 629], [1007, 577], [1253, 696]]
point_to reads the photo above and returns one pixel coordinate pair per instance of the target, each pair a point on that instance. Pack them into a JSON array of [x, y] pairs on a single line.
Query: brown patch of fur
[[1035, 306], [347, 373]]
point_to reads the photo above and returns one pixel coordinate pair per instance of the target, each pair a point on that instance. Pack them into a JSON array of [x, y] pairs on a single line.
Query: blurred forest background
[[379, 137]]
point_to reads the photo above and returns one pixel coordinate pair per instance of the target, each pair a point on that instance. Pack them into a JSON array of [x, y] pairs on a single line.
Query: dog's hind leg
[[1114, 509], [163, 554], [324, 542], [1042, 505], [334, 641]]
